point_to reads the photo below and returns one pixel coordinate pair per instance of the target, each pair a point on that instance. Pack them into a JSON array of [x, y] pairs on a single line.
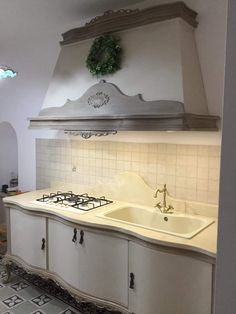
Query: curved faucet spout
[[163, 207]]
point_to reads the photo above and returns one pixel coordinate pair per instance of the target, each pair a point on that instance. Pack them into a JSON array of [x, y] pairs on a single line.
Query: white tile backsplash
[[191, 172]]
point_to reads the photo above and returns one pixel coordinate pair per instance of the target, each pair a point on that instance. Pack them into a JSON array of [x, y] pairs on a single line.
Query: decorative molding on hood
[[104, 109], [88, 134], [116, 21]]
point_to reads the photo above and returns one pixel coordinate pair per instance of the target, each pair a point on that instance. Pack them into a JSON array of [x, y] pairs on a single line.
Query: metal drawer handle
[[131, 283], [74, 239], [43, 244], [81, 237]]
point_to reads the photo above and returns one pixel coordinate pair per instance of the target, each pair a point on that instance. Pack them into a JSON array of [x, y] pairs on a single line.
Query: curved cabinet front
[[165, 283], [109, 268], [63, 253], [103, 267], [28, 238], [95, 264]]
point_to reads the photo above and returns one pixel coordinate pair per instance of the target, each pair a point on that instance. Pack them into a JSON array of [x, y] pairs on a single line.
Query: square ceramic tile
[[55, 306], [26, 308], [19, 286], [68, 311], [13, 301], [100, 161], [41, 300], [5, 293], [30, 293]]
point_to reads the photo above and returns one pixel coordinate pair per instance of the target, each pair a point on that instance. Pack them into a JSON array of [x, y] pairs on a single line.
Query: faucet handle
[[158, 205], [170, 209]]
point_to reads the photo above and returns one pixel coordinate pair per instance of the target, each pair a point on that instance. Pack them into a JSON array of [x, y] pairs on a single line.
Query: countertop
[[204, 242], [2, 194]]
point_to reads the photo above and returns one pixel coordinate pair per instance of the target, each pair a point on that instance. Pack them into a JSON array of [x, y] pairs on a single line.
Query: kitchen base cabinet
[[63, 253], [28, 238], [103, 267], [95, 264], [107, 269], [165, 283]]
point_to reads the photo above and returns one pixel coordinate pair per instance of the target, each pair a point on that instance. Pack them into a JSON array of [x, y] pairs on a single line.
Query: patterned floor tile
[[68, 311], [19, 286], [3, 308], [5, 293], [39, 297], [54, 307], [25, 308], [30, 293], [13, 301], [41, 300]]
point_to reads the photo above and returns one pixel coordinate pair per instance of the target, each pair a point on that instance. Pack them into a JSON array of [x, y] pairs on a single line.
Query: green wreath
[[104, 55]]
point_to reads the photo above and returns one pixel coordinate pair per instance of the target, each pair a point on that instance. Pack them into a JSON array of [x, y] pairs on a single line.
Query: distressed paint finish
[[104, 107]]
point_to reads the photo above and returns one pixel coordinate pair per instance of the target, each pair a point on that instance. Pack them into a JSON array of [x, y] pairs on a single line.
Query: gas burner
[[73, 202]]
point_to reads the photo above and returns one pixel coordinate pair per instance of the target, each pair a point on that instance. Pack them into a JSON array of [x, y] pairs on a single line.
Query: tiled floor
[[20, 297], [29, 294]]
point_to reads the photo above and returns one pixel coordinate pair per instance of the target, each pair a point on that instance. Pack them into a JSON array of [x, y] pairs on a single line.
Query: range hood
[[106, 109]]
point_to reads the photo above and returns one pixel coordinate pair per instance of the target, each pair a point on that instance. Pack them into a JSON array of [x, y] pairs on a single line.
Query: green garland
[[104, 55]]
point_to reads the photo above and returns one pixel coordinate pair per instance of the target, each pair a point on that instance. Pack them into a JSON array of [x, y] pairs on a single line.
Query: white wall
[[34, 60], [23, 96], [8, 153], [226, 257]]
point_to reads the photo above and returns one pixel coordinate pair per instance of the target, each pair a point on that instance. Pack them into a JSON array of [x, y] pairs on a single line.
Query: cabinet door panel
[[27, 233], [103, 267], [63, 253], [165, 283]]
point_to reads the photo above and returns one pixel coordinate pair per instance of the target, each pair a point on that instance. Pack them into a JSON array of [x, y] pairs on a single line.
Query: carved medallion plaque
[[98, 100]]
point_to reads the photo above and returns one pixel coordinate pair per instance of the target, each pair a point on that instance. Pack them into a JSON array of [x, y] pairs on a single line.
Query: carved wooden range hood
[[104, 109]]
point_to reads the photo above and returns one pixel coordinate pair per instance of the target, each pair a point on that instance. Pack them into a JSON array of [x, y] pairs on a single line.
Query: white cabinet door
[[63, 253], [103, 267], [27, 236], [168, 284]]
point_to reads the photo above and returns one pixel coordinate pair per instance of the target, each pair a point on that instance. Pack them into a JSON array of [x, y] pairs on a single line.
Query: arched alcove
[[8, 165], [8, 153]]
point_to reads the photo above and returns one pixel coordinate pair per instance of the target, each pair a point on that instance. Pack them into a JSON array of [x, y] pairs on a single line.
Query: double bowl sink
[[180, 225]]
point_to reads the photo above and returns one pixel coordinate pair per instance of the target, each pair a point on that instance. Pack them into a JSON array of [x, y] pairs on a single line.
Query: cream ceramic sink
[[180, 225]]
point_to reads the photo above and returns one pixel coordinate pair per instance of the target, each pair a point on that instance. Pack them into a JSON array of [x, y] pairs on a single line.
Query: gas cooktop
[[78, 203]]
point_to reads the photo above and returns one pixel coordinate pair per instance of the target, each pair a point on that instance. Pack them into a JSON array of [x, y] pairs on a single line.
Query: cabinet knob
[[81, 237], [74, 236], [43, 244], [131, 282]]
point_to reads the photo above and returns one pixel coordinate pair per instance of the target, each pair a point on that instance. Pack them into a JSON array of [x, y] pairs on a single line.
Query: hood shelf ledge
[[104, 110]]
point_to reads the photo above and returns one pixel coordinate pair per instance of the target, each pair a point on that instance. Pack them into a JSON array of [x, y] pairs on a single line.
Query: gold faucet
[[163, 206]]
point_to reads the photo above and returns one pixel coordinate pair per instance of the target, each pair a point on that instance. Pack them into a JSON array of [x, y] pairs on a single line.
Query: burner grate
[[82, 202]]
